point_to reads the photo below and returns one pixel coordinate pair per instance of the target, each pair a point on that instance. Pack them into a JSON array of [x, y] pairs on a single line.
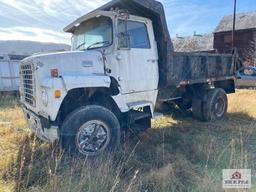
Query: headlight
[[45, 97]]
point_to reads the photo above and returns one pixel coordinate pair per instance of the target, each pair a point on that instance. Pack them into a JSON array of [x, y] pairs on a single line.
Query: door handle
[[152, 60], [118, 57]]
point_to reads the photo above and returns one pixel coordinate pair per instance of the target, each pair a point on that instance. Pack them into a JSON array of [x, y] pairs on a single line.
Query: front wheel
[[90, 130]]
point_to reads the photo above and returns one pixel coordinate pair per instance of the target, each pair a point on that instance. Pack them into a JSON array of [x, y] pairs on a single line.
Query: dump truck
[[122, 64]]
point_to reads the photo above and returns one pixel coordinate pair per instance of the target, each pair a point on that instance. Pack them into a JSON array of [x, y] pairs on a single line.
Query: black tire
[[97, 117], [197, 105], [216, 105]]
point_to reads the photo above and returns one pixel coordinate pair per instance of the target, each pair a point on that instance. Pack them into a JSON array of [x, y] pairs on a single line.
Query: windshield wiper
[[99, 43], [80, 45]]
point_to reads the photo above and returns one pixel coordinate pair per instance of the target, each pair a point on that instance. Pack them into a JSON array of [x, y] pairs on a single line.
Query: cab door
[[137, 57]]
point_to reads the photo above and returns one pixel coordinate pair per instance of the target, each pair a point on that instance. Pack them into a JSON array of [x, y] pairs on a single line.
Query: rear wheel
[[215, 108], [90, 130]]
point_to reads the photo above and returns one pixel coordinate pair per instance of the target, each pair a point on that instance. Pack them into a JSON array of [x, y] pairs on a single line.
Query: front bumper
[[49, 134]]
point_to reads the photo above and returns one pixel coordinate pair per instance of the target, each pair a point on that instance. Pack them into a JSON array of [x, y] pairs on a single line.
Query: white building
[[12, 52]]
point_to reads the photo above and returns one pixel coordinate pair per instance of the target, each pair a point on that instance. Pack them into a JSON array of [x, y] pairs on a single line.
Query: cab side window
[[133, 34]]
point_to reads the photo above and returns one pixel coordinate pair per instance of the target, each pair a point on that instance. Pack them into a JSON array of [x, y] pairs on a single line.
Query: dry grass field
[[177, 154]]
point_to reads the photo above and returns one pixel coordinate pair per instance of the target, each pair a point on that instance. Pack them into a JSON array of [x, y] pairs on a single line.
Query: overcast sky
[[43, 20]]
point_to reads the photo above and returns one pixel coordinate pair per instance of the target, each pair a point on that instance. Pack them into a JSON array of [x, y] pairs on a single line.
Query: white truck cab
[[113, 53]]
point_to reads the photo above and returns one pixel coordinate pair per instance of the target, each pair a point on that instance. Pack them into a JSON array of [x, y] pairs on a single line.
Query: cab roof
[[71, 27], [150, 9]]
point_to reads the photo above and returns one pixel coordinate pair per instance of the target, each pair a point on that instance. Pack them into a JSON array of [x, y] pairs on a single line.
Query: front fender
[[74, 82], [65, 84]]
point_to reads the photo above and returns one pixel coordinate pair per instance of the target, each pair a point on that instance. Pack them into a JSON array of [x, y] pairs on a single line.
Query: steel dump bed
[[191, 68]]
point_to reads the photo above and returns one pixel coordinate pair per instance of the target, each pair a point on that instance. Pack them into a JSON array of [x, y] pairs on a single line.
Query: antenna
[[234, 26]]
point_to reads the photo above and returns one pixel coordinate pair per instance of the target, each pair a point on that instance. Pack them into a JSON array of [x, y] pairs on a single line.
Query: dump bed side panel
[[196, 68]]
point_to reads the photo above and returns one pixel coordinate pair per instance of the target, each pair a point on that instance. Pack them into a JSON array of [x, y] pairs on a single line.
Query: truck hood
[[69, 63], [78, 69]]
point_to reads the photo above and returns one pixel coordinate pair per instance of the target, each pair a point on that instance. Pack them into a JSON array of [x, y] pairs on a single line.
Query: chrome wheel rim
[[92, 138]]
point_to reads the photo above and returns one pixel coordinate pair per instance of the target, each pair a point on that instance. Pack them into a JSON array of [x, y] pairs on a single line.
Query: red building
[[245, 36]]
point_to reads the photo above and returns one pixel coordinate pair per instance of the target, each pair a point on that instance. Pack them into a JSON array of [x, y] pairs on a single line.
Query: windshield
[[94, 33]]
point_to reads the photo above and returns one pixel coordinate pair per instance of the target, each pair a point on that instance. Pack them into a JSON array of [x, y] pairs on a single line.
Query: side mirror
[[123, 40]]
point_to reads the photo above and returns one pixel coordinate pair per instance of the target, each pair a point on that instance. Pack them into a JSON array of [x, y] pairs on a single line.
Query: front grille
[[27, 83]]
